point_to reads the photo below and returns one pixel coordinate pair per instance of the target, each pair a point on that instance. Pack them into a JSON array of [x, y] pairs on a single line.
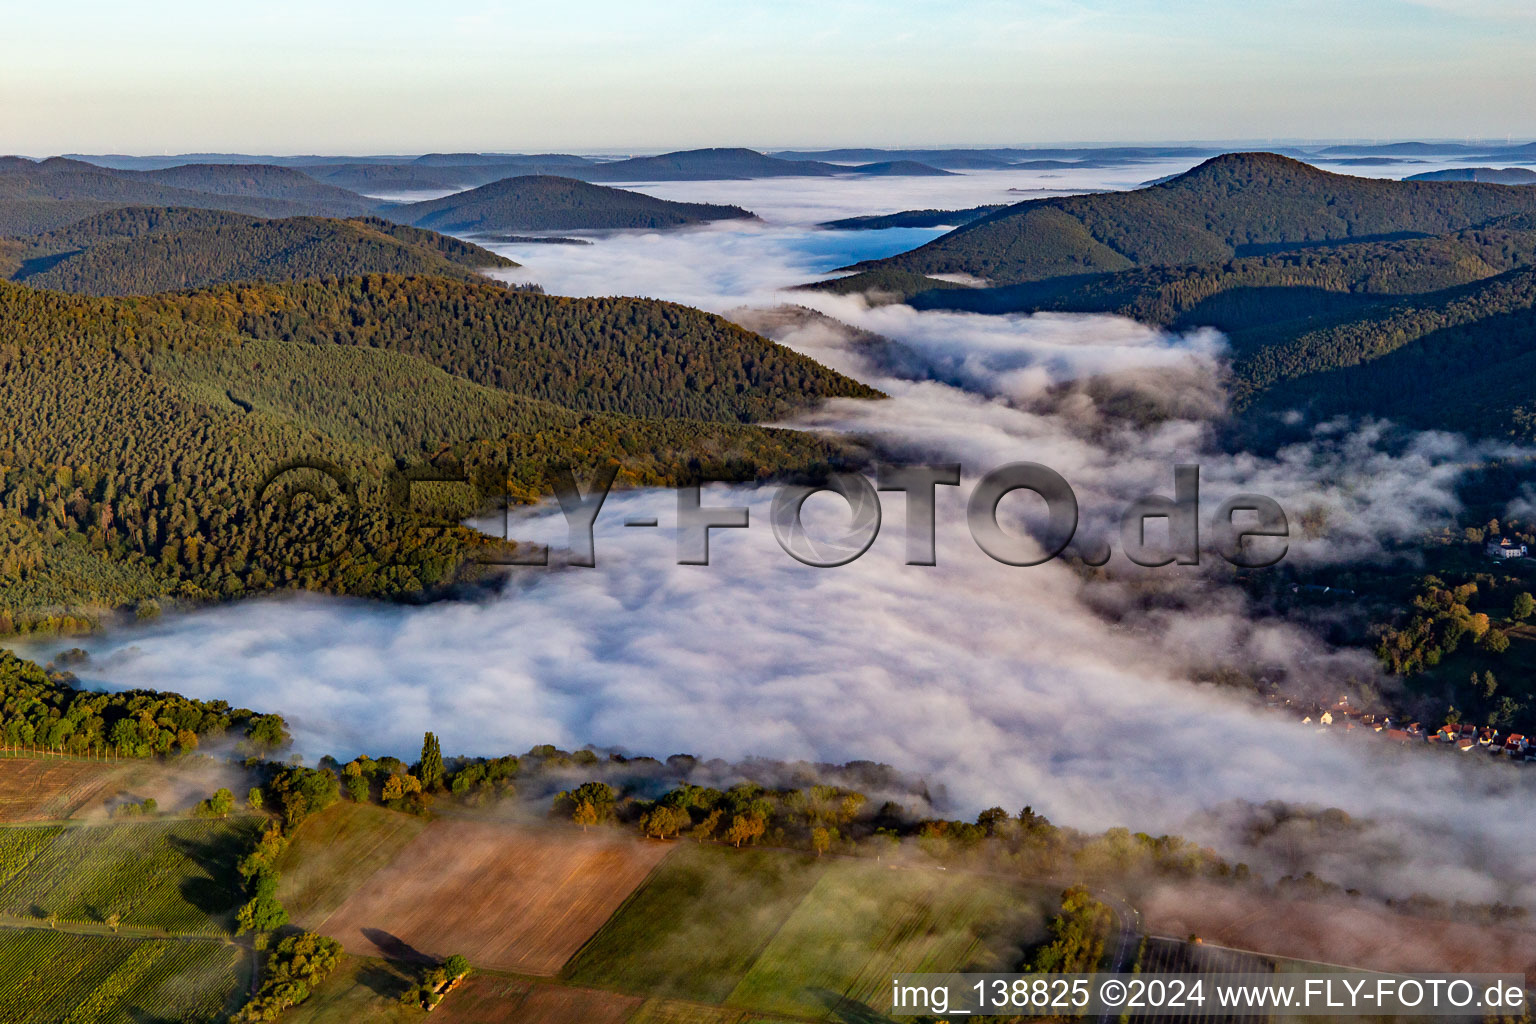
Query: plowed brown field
[[508, 897], [35, 788]]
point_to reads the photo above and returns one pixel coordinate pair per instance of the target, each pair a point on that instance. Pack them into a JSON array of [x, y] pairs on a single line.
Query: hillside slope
[[578, 353], [1462, 359], [1234, 205], [1252, 292], [546, 203]]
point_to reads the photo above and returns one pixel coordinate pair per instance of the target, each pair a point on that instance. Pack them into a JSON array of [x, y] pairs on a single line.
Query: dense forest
[[141, 250], [541, 202], [138, 456], [1239, 204]]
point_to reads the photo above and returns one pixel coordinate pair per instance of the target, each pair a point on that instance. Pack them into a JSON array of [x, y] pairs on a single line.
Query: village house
[[1503, 548]]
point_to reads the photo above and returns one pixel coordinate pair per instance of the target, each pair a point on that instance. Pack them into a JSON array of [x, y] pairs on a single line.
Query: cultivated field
[[482, 999], [674, 1011], [695, 929], [176, 875], [336, 851], [1339, 931], [83, 979], [40, 788], [780, 933], [507, 897], [863, 923]]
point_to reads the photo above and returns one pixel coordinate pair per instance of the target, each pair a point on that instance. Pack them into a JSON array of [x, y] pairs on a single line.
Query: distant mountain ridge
[[1495, 175], [43, 196]]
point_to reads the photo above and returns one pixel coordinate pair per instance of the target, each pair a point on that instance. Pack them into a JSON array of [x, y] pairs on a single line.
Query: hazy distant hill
[[1399, 149], [1003, 156], [264, 181], [416, 176], [910, 219], [899, 168], [1495, 175], [379, 178], [42, 196], [138, 250], [500, 159], [705, 164], [547, 203], [1234, 205]]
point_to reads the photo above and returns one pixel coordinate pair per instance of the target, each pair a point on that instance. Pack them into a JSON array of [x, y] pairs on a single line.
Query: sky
[[602, 76]]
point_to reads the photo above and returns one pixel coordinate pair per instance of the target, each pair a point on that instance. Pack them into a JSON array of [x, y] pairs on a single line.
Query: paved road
[[1120, 948]]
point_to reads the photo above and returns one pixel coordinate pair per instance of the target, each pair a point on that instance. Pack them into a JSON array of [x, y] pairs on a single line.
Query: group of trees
[[296, 965], [822, 818], [1450, 650], [45, 710], [1443, 619], [1077, 935], [437, 979]]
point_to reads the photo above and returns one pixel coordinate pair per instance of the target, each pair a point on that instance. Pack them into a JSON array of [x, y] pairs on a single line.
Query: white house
[[1502, 548]]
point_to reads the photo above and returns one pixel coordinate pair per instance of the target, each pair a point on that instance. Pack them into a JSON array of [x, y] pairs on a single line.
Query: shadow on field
[[390, 979], [395, 949], [848, 1011], [401, 969], [218, 891]]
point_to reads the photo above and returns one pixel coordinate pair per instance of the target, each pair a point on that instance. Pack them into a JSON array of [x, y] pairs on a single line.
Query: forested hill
[[43, 196], [540, 202], [141, 250], [141, 433], [1234, 205]]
